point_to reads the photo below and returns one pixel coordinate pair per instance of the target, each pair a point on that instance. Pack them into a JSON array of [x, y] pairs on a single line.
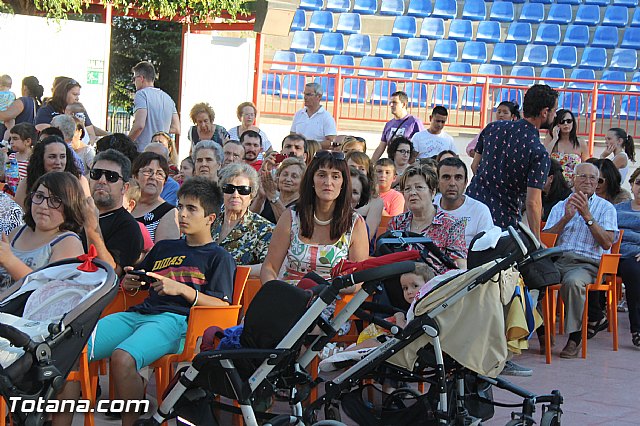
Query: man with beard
[[113, 231], [252, 143], [208, 158], [514, 163]]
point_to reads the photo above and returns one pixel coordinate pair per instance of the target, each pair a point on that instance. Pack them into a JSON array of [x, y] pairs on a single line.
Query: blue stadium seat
[[446, 96], [535, 55], [428, 65], [460, 30], [564, 57], [388, 47], [404, 64], [517, 1], [312, 58], [416, 48], [502, 11], [504, 54], [542, 1], [354, 90], [392, 7], [373, 62], [551, 72], [626, 3], [284, 56], [505, 94], [299, 21], [532, 13], [576, 35], [446, 9], [594, 58], [598, 2], [358, 45], [635, 20], [559, 14], [624, 60], [608, 76], [522, 71], [572, 101], [574, 2], [474, 52], [311, 4], [461, 67], [331, 44], [303, 42], [328, 85], [471, 98], [342, 60], [616, 16], [582, 74], [606, 105], [417, 94], [587, 14], [382, 90], [519, 33], [404, 26], [419, 8], [631, 38], [292, 86], [321, 21], [474, 10], [605, 37], [349, 23], [630, 107], [488, 31], [365, 7], [432, 28], [339, 6], [270, 84], [548, 34], [445, 51], [490, 69]]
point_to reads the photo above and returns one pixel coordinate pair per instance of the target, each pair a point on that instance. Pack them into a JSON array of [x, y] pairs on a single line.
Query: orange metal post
[[185, 30], [592, 118], [484, 105], [337, 92], [257, 72]]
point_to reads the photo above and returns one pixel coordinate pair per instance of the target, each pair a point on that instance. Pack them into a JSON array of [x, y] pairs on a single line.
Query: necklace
[[321, 222]]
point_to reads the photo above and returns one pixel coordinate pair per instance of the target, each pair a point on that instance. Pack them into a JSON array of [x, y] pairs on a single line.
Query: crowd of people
[[321, 199]]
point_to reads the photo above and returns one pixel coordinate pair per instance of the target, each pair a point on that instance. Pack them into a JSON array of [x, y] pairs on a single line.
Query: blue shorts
[[145, 337]]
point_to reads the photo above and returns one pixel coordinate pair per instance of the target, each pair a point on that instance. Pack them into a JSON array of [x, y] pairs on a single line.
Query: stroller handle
[[379, 273], [16, 337]]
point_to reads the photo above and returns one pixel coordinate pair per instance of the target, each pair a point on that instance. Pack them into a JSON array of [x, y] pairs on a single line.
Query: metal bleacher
[[457, 54]]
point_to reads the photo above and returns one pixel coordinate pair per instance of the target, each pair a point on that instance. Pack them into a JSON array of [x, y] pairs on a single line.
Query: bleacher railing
[[470, 98]]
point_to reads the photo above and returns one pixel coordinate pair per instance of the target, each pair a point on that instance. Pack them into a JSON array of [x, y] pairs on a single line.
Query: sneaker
[[622, 306], [513, 369]]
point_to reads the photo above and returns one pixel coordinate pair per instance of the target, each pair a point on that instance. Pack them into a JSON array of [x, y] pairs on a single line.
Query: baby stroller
[[45, 321], [455, 342]]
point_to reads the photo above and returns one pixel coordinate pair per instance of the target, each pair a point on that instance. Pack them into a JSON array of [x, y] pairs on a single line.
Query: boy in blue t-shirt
[[183, 271]]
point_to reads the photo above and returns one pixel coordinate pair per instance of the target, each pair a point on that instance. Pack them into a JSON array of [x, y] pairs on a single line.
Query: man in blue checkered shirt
[[586, 226]]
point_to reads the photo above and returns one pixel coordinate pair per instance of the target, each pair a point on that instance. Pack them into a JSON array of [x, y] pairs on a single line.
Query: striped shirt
[[22, 166]]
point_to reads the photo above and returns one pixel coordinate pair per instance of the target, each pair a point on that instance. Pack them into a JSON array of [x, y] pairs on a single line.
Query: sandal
[[635, 339], [594, 328]]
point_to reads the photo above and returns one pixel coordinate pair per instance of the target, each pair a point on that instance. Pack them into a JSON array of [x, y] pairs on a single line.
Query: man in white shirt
[[452, 181], [313, 121], [434, 140]]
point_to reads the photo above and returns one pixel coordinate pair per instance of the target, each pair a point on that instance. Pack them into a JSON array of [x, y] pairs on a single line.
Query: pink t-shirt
[[393, 203], [146, 237]]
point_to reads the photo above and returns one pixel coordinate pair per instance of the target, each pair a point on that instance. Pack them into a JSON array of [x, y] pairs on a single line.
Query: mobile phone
[[142, 276], [279, 158]]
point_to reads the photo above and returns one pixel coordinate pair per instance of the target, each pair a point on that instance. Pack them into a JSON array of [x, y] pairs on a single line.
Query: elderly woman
[[246, 113], [159, 217], [203, 116], [282, 193], [629, 268], [208, 158], [244, 234], [447, 232], [322, 229]]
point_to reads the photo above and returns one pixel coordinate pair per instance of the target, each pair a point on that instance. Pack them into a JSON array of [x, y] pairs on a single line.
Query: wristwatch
[[589, 222], [275, 199]]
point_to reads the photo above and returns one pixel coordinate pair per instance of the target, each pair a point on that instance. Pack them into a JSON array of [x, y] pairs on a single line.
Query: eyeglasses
[[417, 188], [53, 201], [228, 188], [404, 151], [590, 178], [337, 155], [150, 172], [566, 121], [110, 176]]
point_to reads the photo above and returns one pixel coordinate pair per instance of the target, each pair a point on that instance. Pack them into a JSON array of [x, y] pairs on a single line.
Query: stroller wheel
[[332, 412], [397, 397], [329, 423], [517, 422], [550, 418]]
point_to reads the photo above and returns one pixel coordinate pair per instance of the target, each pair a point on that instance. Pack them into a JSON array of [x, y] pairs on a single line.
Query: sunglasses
[[601, 180], [337, 155], [228, 188], [110, 176], [53, 201], [567, 121]]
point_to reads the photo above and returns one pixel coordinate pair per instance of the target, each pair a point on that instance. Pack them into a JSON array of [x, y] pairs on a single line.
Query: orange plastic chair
[[240, 283], [548, 305], [251, 289]]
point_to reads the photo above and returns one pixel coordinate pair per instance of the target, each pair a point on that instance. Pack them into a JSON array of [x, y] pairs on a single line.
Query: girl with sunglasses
[[321, 229], [563, 144], [53, 217], [609, 182], [244, 234]]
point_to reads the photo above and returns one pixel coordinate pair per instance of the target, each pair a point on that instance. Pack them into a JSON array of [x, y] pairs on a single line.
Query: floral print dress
[[248, 241]]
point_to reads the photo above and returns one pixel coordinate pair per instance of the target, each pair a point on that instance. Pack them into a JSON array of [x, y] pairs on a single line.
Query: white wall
[[46, 49]]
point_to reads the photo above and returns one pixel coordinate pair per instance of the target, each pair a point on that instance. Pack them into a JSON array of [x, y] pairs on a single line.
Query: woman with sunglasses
[[563, 144], [53, 217], [244, 234], [52, 154], [322, 229], [609, 182], [159, 217]]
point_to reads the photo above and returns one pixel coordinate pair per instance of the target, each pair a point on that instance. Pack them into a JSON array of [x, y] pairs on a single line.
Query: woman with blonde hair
[[203, 129], [165, 139]]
